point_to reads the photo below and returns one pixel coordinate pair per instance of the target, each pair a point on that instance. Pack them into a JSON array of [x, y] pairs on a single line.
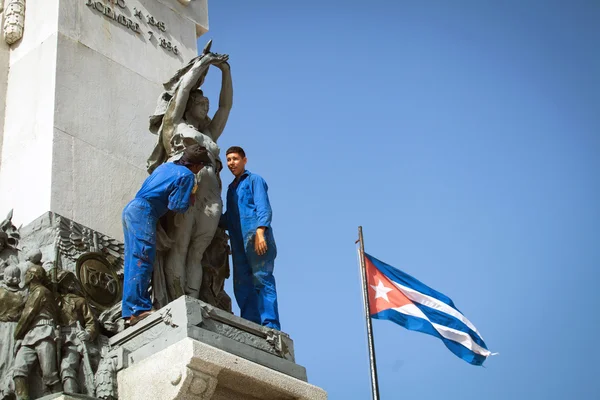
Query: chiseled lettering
[[120, 3], [108, 12], [123, 21]]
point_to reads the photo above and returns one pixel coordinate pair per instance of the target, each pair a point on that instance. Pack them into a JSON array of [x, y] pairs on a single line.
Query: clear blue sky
[[464, 136]]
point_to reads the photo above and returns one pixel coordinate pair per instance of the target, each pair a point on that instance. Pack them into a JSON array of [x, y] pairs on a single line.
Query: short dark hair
[[194, 154], [236, 149]]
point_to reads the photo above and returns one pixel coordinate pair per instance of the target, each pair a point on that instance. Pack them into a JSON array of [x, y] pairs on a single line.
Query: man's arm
[[263, 213], [91, 326], [30, 312], [220, 118], [180, 197]]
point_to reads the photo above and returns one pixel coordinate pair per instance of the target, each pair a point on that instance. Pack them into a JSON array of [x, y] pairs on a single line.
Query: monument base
[[190, 369], [191, 350]]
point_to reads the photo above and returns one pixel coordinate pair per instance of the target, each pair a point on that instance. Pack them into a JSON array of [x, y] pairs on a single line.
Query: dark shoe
[[137, 318]]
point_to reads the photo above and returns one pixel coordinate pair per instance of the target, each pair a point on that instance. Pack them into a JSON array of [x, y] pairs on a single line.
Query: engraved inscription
[[111, 14], [128, 23]]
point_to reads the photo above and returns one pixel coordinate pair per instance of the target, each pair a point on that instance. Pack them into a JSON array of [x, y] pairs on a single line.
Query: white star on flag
[[381, 291]]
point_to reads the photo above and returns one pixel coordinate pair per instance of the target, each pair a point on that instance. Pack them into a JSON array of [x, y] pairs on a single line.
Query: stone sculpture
[[36, 334], [12, 301], [78, 330], [181, 119], [14, 21], [9, 237], [216, 269]]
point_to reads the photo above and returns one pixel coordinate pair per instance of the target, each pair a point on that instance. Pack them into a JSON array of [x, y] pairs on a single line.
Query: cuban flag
[[398, 297]]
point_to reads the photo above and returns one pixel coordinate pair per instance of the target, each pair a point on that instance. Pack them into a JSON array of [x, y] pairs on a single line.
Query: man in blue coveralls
[[248, 220], [170, 187]]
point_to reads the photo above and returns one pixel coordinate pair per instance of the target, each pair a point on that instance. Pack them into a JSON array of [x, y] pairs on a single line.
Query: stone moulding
[[14, 21]]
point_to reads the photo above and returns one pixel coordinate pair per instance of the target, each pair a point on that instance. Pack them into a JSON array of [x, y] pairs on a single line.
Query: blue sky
[[464, 136]]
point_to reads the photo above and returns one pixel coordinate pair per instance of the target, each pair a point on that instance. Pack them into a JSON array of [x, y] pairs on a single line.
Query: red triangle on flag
[[383, 294]]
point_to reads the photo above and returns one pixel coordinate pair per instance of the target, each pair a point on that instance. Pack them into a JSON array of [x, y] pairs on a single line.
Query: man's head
[[195, 157], [34, 256], [36, 274], [67, 282], [12, 276], [236, 160]]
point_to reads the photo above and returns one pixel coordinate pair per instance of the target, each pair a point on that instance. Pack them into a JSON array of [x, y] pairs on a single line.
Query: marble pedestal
[[190, 350]]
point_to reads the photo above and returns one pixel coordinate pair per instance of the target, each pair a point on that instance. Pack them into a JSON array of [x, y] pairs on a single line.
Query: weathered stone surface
[[79, 92], [188, 317], [190, 369]]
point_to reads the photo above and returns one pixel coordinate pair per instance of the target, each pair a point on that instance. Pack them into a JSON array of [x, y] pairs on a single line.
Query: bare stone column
[[79, 87]]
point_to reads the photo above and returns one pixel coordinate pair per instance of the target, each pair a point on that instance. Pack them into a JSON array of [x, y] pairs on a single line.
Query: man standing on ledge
[[248, 220], [171, 186]]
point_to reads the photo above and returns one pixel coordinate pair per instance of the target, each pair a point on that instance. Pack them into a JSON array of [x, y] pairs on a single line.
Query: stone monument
[[78, 80]]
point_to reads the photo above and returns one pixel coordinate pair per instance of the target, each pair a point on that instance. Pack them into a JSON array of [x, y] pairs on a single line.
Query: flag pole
[[363, 272]]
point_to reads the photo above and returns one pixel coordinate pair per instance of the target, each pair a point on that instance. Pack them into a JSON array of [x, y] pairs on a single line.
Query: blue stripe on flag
[[418, 324], [441, 318], [407, 280]]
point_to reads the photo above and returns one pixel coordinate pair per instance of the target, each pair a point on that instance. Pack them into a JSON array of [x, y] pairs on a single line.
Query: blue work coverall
[[248, 208], [169, 187]]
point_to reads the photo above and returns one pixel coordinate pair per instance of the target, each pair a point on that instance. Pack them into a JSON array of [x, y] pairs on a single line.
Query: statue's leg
[[207, 212], [46, 354], [69, 365], [207, 221], [24, 360], [175, 260]]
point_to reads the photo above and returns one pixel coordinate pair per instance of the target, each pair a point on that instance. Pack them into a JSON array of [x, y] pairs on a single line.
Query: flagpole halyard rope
[[363, 273]]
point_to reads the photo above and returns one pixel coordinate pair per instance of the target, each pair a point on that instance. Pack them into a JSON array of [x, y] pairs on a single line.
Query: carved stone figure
[[33, 258], [36, 335], [106, 377], [182, 119], [9, 236], [12, 301], [216, 269], [78, 329], [14, 21]]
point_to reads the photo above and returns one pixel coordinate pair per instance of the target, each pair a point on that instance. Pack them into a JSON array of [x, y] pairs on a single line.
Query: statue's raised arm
[[220, 118], [184, 105]]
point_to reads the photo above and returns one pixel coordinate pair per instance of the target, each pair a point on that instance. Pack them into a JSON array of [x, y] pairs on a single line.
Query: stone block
[[190, 369], [95, 192], [85, 77], [25, 173], [41, 23], [139, 51], [189, 317]]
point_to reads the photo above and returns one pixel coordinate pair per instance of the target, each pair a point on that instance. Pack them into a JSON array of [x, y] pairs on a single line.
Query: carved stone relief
[[14, 21], [77, 272]]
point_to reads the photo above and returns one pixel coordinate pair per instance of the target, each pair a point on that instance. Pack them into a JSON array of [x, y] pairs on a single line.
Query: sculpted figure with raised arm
[[181, 119]]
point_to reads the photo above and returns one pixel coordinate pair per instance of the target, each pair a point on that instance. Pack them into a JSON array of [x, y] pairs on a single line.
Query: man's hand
[[17, 346], [260, 244], [84, 336]]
